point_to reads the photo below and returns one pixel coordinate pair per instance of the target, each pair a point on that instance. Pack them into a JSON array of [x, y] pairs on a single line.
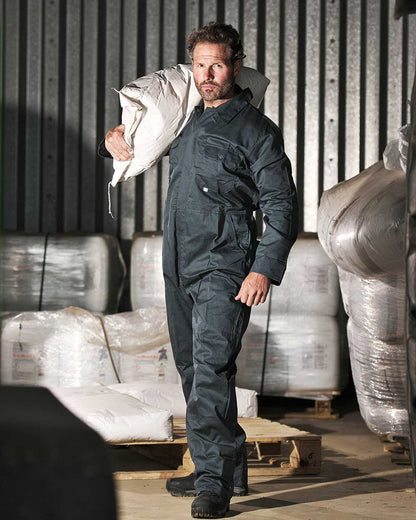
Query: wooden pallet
[[399, 450], [272, 448], [284, 408]]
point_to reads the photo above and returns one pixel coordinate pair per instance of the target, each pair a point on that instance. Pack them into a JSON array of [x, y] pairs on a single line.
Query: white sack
[[116, 417], [156, 107], [170, 397]]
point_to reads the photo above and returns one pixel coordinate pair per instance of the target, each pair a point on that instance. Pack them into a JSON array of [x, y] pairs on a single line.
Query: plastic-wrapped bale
[[310, 285], [379, 371], [250, 358], [376, 337], [147, 287], [376, 305], [49, 272], [153, 366], [305, 354], [361, 222], [71, 347], [304, 357]]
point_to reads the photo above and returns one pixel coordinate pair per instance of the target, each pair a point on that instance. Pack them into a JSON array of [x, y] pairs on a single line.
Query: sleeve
[[272, 175], [102, 150]]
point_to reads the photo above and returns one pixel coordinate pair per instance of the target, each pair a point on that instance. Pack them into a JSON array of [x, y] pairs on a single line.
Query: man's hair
[[217, 33]]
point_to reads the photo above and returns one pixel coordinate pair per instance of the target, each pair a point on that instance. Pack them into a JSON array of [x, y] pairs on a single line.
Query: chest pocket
[[218, 164]]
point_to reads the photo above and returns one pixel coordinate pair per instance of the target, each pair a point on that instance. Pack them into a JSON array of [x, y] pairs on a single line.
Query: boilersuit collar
[[231, 108]]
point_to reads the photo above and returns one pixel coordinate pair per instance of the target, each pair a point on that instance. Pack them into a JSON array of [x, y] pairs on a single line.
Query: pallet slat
[[273, 449]]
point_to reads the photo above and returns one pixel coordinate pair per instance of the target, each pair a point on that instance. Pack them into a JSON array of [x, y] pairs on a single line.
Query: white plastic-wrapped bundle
[[69, 347], [250, 359], [152, 366], [147, 287], [377, 305], [310, 284], [380, 376], [48, 272], [304, 356], [361, 222], [376, 338], [299, 343], [310, 288]]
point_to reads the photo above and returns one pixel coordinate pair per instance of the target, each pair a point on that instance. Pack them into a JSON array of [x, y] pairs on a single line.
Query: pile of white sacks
[[361, 225], [115, 372]]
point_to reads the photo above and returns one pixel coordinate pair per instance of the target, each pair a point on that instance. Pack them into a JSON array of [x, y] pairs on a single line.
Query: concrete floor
[[357, 481]]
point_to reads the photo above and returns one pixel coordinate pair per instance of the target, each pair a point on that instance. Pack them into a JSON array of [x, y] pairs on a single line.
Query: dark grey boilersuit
[[227, 162]]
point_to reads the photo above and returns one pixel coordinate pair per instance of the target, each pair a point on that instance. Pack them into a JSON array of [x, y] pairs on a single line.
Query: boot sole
[[203, 514], [192, 493]]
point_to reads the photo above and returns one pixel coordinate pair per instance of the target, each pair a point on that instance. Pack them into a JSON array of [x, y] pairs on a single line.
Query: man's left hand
[[254, 289]]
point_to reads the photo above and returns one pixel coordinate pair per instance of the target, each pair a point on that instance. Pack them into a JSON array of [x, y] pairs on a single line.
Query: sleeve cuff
[[102, 150], [270, 267]]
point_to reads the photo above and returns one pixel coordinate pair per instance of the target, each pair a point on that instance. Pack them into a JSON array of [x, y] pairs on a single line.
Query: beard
[[220, 90]]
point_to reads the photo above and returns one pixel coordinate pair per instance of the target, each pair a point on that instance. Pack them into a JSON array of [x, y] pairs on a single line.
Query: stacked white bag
[[298, 350], [361, 224]]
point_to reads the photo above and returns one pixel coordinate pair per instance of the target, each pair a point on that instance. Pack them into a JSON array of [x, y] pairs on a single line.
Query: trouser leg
[[214, 437], [179, 311]]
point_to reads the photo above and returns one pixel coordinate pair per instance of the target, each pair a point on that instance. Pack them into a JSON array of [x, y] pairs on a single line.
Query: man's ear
[[237, 67]]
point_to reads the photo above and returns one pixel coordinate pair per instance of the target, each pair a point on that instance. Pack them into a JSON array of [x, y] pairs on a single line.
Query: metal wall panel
[[340, 72]]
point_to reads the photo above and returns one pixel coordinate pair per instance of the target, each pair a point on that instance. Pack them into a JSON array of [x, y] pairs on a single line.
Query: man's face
[[214, 73]]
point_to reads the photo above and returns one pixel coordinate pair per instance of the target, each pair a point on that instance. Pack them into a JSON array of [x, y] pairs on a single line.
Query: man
[[228, 161]]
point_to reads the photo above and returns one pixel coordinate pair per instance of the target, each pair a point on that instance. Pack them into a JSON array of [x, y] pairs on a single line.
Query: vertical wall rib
[[340, 74]]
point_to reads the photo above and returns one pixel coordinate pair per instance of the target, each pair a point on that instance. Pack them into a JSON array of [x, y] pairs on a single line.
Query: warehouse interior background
[[341, 75]]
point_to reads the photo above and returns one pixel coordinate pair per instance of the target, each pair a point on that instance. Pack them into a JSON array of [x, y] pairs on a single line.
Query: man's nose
[[209, 73]]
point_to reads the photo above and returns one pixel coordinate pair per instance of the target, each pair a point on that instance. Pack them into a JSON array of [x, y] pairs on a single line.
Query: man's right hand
[[117, 146]]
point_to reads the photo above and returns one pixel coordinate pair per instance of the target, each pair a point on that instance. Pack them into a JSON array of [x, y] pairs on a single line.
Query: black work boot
[[185, 487], [182, 486], [209, 505]]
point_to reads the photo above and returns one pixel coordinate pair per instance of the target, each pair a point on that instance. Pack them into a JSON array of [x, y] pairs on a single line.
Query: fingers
[[254, 289], [116, 145]]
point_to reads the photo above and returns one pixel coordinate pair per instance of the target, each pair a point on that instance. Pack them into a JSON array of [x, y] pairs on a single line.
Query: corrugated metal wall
[[340, 72]]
